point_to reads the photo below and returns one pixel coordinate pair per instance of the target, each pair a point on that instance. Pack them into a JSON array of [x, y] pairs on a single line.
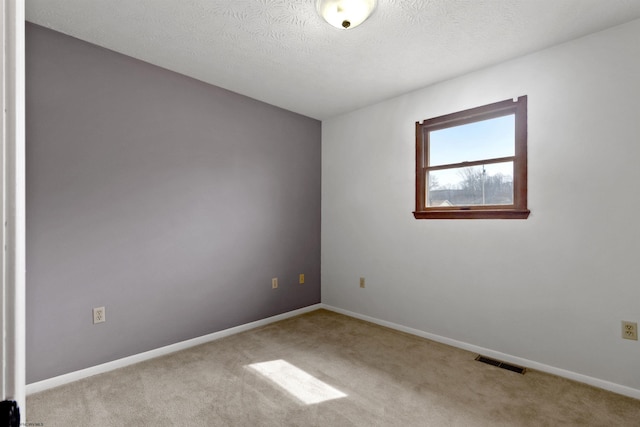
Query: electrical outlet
[[301, 279], [362, 282], [99, 315], [274, 283], [629, 330]]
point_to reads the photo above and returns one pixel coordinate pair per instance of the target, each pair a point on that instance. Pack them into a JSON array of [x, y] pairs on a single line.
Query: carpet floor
[[326, 369]]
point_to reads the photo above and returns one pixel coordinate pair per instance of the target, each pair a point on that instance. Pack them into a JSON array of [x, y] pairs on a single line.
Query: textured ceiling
[[281, 52]]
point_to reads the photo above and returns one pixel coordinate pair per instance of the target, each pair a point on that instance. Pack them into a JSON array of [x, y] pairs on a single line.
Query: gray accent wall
[[168, 201]]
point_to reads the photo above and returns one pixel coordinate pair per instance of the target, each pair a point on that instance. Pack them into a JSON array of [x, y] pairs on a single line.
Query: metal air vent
[[500, 364]]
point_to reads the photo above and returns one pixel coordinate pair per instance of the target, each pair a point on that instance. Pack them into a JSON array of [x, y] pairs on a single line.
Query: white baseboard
[[120, 363], [126, 361], [606, 385]]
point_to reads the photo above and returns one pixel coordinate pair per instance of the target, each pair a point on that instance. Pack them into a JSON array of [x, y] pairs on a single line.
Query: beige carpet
[[389, 379]]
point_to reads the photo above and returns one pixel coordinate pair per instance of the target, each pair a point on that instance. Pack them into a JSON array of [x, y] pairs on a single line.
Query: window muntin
[[472, 164]]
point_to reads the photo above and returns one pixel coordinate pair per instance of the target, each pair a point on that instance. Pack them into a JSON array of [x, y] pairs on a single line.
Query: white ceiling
[[281, 52]]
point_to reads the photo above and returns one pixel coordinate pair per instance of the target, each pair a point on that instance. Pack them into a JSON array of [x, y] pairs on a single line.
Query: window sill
[[473, 214]]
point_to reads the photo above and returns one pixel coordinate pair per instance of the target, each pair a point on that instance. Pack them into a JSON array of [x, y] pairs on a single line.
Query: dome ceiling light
[[345, 14]]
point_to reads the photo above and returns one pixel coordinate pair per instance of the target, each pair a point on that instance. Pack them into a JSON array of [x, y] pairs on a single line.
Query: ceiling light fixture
[[345, 14]]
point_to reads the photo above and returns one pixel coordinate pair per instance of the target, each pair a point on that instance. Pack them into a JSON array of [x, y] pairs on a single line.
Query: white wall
[[550, 289]]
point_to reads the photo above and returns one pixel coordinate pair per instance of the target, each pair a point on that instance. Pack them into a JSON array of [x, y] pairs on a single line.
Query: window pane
[[490, 184], [488, 139]]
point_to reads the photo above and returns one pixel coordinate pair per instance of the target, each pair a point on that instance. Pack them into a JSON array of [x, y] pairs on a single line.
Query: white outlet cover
[[99, 315]]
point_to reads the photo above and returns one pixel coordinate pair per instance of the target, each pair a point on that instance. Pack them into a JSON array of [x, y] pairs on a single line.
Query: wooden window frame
[[518, 210]]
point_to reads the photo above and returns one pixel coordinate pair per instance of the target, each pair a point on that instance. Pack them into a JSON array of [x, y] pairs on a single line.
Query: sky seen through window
[[486, 139]]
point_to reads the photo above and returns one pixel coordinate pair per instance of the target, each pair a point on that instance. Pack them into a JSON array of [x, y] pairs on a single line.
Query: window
[[473, 164]]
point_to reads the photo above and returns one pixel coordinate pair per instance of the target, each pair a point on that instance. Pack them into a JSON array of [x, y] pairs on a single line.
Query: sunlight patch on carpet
[[297, 382]]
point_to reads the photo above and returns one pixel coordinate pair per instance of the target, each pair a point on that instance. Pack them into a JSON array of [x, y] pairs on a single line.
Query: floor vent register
[[502, 365]]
